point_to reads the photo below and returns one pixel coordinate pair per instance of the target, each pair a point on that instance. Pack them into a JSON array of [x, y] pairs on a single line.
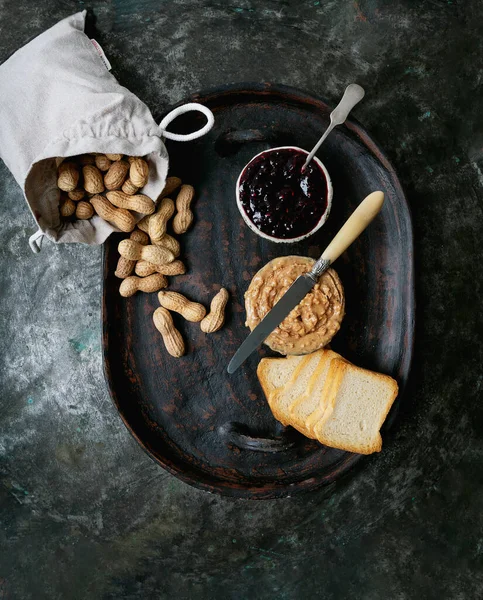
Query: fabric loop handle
[[181, 110], [35, 241]]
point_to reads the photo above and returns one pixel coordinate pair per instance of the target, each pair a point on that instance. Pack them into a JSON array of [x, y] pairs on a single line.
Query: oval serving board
[[213, 430]]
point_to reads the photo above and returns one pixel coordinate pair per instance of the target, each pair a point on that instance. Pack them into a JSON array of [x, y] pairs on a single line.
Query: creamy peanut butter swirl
[[310, 325]]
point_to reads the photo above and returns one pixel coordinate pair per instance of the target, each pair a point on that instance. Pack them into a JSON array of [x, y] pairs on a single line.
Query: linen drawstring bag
[[58, 100]]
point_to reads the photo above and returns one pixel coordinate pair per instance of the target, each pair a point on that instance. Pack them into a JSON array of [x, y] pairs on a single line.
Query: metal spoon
[[352, 95]]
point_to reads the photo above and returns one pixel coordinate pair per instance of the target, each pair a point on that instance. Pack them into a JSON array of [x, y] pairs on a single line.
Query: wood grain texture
[[213, 430]]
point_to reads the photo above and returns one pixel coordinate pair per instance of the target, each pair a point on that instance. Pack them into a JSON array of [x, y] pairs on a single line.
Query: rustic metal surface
[[215, 430]]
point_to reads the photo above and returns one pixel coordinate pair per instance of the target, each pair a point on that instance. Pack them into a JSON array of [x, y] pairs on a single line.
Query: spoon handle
[[352, 95]]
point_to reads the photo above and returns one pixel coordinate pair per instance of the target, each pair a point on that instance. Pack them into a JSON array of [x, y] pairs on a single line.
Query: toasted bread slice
[[284, 397], [357, 411], [273, 373], [309, 400], [328, 391]]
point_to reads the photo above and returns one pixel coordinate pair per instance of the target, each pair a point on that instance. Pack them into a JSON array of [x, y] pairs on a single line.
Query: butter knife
[[350, 231]]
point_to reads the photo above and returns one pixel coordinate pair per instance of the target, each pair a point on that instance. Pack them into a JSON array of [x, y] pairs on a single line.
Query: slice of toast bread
[[305, 404], [284, 396], [332, 382], [274, 373], [360, 406], [327, 398]]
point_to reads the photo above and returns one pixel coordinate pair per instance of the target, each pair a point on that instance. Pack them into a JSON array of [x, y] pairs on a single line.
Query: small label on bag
[[100, 51]]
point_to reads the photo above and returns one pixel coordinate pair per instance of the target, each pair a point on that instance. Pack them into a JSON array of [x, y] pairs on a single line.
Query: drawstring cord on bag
[[35, 240], [181, 110]]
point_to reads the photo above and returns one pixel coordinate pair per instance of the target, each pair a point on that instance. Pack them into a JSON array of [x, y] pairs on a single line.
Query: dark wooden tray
[[213, 430]]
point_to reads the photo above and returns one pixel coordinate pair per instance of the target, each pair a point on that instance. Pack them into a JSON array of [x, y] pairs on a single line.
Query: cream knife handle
[[350, 231]]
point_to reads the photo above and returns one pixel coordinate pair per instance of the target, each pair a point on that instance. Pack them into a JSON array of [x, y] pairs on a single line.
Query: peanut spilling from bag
[[129, 188], [68, 177], [153, 254], [184, 217], [93, 182], [172, 338], [119, 217], [139, 203], [125, 266], [144, 268], [115, 176], [132, 284], [89, 175], [76, 195], [158, 223], [164, 211], [102, 162], [84, 210], [67, 208], [170, 243], [153, 262], [191, 311], [139, 172], [216, 317]]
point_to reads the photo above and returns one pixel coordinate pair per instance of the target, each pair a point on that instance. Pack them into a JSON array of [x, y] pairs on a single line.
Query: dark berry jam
[[278, 198]]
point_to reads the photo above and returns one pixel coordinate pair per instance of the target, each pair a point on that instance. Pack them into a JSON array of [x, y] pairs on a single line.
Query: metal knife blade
[[296, 292]]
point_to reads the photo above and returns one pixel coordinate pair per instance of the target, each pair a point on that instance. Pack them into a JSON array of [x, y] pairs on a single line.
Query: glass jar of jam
[[278, 200]]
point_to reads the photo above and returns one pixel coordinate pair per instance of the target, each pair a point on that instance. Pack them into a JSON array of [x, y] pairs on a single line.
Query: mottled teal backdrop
[[84, 513]]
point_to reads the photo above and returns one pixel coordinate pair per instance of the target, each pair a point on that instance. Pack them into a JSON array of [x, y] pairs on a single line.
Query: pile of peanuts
[[152, 253], [109, 185], [83, 180]]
